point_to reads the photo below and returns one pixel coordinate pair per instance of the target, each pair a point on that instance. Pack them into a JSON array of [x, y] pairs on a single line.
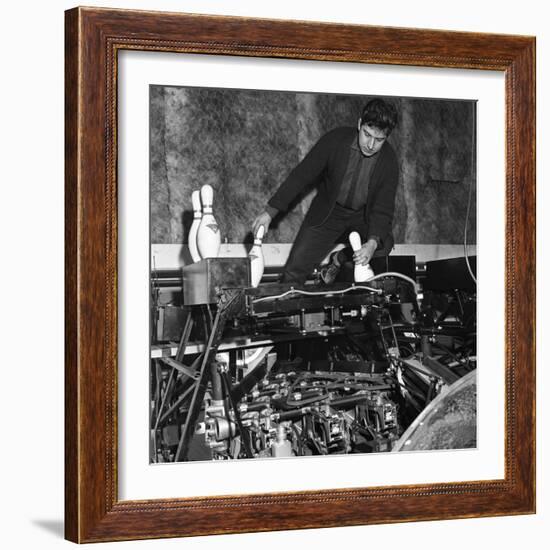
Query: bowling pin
[[209, 238], [197, 215], [361, 273], [257, 258]]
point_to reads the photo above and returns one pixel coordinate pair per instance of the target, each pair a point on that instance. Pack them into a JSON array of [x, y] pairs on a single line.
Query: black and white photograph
[[256, 251], [313, 274]]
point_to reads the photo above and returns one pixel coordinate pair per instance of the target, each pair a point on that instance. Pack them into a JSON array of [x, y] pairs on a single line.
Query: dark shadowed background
[[244, 143]]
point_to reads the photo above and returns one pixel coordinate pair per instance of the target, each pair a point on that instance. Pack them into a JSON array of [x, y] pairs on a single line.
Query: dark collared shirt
[[355, 185]]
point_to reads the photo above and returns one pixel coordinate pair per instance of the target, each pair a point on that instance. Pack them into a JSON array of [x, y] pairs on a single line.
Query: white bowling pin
[[209, 238], [197, 215], [361, 273], [257, 258]]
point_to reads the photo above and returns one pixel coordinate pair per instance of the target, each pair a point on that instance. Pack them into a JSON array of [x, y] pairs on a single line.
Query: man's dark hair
[[380, 114]]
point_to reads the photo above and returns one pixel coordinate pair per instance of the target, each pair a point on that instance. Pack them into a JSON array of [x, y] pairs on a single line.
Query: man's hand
[[263, 219], [365, 253]]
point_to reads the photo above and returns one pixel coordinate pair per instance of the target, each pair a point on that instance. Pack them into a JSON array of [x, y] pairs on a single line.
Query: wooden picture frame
[[93, 511]]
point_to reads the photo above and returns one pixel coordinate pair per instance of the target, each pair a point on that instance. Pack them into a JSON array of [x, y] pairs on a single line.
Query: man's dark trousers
[[313, 243]]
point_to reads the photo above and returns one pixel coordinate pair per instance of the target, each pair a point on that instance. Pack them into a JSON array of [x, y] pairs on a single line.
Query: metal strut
[[231, 301], [245, 436]]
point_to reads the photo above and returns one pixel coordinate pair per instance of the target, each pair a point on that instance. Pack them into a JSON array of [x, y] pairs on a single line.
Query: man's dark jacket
[[325, 166]]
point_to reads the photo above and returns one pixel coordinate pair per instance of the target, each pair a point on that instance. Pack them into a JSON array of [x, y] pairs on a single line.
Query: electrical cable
[[345, 290], [468, 211], [323, 293], [394, 274]]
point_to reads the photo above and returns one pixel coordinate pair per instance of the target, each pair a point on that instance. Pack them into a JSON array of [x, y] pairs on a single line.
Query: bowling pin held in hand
[[257, 258], [361, 273], [197, 215], [209, 238]]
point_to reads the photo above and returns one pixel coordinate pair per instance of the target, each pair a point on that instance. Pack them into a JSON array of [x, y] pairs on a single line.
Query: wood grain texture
[[93, 38], [71, 285]]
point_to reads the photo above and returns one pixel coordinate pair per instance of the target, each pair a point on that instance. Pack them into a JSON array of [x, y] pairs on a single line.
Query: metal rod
[[199, 389], [158, 376], [230, 303], [185, 334], [245, 436], [209, 311], [163, 402], [191, 371], [180, 401]]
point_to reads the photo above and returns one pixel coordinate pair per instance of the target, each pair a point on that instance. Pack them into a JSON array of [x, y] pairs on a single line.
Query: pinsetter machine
[[281, 370]]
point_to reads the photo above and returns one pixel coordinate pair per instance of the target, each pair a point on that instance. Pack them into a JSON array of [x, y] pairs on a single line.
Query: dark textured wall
[[436, 147], [244, 143]]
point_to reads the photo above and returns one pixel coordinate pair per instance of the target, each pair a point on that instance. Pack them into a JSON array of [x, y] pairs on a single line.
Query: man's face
[[370, 139]]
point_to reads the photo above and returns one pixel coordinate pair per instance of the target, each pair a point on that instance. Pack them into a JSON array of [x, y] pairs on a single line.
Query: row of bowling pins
[[205, 237]]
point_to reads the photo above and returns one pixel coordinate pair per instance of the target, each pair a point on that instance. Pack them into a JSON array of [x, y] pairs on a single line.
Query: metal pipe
[[217, 387]]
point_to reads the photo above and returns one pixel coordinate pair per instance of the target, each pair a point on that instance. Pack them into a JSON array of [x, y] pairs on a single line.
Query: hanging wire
[[472, 175]]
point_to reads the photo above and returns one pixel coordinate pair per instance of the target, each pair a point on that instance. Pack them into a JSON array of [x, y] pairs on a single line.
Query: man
[[356, 173]]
